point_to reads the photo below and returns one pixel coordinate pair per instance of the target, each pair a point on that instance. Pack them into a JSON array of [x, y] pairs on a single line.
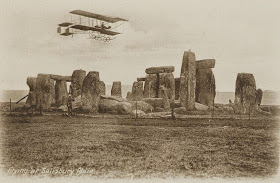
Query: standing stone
[[137, 90], [205, 91], [102, 88], [77, 79], [91, 92], [150, 86], [167, 80], [129, 96], [116, 89], [245, 93], [259, 94], [61, 93], [177, 88], [31, 99], [164, 96], [188, 81], [44, 91]]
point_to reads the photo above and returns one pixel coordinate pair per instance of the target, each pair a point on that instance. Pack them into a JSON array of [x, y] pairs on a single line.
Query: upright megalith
[[245, 93], [116, 89], [77, 79], [168, 81], [45, 91], [177, 88], [91, 91], [150, 86], [259, 95], [205, 91], [31, 99], [102, 88], [137, 90], [61, 93], [164, 96], [188, 81]]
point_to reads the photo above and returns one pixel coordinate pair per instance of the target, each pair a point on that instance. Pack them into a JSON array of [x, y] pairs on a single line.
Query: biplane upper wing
[[65, 24], [88, 28], [97, 16]]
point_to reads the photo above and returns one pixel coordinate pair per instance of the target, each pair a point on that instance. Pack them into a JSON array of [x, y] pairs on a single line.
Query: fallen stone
[[201, 107], [141, 105], [162, 69], [114, 107], [205, 64], [180, 110], [90, 91], [154, 102], [158, 109], [116, 89], [116, 98], [139, 113], [77, 79]]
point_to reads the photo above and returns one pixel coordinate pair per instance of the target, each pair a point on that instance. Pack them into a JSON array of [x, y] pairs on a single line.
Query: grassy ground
[[139, 148]]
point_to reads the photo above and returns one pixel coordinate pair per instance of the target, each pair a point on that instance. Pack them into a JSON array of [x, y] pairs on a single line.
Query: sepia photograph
[[139, 91]]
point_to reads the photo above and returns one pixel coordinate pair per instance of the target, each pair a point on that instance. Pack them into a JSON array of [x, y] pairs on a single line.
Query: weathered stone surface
[[205, 64], [201, 107], [158, 109], [102, 88], [60, 78], [259, 94], [31, 99], [150, 87], [77, 79], [205, 91], [154, 102], [117, 98], [177, 88], [61, 93], [116, 89], [139, 113], [90, 91], [180, 110], [129, 96], [141, 105], [44, 91], [141, 79], [114, 107], [161, 69], [165, 99], [167, 80], [137, 90], [188, 81], [245, 93]]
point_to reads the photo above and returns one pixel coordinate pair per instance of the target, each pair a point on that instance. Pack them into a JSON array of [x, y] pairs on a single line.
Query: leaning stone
[[116, 89], [150, 87], [137, 90], [188, 81], [90, 91], [205, 91], [162, 69], [77, 79], [205, 64], [245, 93], [61, 93], [31, 99]]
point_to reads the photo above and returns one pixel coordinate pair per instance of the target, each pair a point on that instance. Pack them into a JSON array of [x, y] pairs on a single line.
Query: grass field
[[139, 148]]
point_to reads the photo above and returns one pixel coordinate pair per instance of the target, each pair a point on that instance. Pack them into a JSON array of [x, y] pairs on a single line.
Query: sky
[[243, 36]]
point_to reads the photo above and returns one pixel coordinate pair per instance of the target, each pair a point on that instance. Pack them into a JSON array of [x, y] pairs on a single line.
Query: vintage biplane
[[99, 27]]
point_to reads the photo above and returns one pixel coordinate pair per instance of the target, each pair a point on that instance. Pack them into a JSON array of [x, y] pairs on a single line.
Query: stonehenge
[[61, 93], [45, 91], [137, 90], [77, 79], [31, 99]]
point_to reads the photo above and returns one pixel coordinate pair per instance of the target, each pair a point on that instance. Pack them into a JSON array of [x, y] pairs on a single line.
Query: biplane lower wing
[[88, 28], [66, 34]]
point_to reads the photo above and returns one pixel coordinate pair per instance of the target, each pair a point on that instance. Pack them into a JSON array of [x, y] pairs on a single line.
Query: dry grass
[[140, 148]]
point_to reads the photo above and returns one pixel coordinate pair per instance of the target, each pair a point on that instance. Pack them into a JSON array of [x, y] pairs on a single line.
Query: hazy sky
[[243, 36]]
